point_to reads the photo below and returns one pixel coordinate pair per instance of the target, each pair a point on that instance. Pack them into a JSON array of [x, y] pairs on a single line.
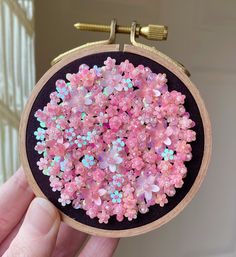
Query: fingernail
[[41, 215]]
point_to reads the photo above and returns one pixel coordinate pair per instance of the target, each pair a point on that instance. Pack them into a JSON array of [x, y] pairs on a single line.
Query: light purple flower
[[110, 159], [146, 186]]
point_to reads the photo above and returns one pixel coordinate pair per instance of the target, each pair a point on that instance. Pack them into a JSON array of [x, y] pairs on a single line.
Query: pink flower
[[137, 163], [70, 188], [74, 79], [126, 66], [110, 63], [88, 77], [183, 147], [128, 189], [188, 135], [145, 186], [131, 214], [109, 136], [161, 199], [98, 175], [161, 136], [42, 163], [103, 217], [56, 184], [115, 123], [185, 123], [102, 117], [96, 197], [112, 110], [92, 212], [178, 98], [165, 166], [161, 79], [150, 156], [40, 147], [119, 212], [79, 99], [93, 195], [64, 199], [77, 203]]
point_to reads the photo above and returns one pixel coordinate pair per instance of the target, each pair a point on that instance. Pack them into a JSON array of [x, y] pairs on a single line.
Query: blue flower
[[118, 144], [62, 92], [89, 135], [168, 154], [88, 161], [116, 197], [129, 84], [70, 134], [118, 180], [40, 134]]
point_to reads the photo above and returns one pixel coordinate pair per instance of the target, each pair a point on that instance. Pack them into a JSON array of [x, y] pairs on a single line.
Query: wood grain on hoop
[[207, 139]]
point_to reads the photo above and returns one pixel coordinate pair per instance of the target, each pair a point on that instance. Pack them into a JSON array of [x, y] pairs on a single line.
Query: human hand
[[38, 231]]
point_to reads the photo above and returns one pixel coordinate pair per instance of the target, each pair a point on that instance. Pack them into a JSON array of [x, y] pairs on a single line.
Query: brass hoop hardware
[[151, 32]]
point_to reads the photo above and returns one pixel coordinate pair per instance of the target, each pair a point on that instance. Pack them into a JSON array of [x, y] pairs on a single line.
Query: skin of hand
[[31, 226]]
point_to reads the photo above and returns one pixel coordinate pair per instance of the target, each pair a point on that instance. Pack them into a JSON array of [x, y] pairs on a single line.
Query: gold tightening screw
[[152, 32]]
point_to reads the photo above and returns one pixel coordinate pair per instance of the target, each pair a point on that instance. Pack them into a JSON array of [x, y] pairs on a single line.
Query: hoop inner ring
[[155, 212]]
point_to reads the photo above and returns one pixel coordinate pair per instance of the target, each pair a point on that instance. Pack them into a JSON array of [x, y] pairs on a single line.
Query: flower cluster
[[113, 140]]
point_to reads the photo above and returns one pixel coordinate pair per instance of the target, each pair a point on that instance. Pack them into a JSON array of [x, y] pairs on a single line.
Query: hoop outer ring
[[206, 127]]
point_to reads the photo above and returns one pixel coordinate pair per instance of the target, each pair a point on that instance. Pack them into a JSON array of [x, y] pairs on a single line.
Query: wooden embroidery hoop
[[175, 69]]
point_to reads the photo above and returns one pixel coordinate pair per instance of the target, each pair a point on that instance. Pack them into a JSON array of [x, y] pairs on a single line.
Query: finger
[[96, 245], [7, 241], [38, 233], [68, 242], [66, 236], [14, 201]]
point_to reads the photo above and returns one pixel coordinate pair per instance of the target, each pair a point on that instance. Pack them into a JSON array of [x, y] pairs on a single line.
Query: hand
[[38, 231]]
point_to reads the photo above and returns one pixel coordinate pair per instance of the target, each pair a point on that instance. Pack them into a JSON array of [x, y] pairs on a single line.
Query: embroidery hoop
[[144, 51]]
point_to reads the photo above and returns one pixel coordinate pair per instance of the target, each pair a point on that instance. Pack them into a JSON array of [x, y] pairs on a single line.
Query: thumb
[[38, 233]]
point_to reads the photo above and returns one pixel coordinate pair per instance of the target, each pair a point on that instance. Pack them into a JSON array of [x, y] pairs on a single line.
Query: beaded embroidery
[[113, 140]]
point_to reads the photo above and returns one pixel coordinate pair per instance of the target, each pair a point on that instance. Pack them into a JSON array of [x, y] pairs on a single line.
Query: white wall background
[[17, 76], [202, 35]]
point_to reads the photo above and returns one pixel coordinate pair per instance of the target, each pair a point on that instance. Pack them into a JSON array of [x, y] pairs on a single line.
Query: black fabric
[[156, 211]]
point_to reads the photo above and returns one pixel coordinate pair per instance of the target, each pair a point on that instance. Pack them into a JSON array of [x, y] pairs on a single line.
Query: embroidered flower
[[110, 160], [118, 144], [96, 196], [93, 194], [62, 89], [70, 134], [116, 197], [40, 134], [161, 199], [168, 155], [146, 186], [80, 98], [118, 180], [88, 161], [64, 199], [42, 163]]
